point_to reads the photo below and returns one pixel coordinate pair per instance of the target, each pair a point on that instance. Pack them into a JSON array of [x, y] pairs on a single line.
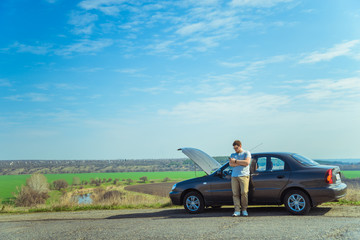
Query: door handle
[[280, 176]]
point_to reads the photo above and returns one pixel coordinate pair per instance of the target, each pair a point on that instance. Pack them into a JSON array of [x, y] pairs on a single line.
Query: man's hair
[[237, 142]]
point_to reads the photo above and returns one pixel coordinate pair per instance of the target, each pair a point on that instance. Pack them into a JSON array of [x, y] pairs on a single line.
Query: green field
[[351, 174], [8, 183]]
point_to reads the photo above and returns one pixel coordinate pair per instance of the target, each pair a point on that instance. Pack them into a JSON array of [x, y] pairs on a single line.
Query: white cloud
[[109, 7], [228, 83], [342, 49], [257, 3], [151, 90], [332, 89], [179, 28], [191, 28], [33, 97], [235, 108], [255, 64], [66, 86], [84, 46], [39, 50], [335, 91], [4, 83], [85, 69], [160, 47], [83, 22]]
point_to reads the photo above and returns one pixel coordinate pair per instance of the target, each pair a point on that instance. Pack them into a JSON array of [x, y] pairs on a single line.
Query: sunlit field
[[8, 183]]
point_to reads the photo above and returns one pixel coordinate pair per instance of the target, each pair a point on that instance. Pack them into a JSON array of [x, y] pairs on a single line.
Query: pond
[[84, 198]]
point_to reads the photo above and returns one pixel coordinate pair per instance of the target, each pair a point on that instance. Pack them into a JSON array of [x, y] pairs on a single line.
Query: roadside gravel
[[324, 222]]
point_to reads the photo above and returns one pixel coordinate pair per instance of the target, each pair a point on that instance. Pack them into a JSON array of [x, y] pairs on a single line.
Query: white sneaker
[[245, 213], [236, 214]]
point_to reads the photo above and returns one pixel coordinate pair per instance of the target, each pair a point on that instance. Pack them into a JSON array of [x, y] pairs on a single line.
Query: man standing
[[240, 161]]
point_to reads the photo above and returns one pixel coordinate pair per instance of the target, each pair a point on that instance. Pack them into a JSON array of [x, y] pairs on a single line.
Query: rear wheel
[[297, 202], [194, 202]]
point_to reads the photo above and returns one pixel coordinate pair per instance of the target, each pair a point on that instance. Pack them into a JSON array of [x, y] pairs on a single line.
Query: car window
[[277, 164], [261, 164], [304, 160]]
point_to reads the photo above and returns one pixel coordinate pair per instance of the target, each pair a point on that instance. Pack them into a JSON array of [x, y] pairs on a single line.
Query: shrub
[[38, 183], [28, 197], [60, 184], [129, 181], [166, 179], [35, 192], [112, 195], [95, 182], [76, 181], [144, 179]]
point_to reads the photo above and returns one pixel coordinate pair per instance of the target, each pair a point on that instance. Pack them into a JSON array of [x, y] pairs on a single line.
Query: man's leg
[[244, 186], [235, 186]]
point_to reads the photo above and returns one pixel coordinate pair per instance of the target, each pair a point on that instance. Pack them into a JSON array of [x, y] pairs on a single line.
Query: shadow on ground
[[222, 212]]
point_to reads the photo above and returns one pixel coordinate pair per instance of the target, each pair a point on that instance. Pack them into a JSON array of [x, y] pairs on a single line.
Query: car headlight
[[173, 187]]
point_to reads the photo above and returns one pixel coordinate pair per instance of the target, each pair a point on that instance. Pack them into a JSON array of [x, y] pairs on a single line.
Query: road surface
[[324, 222]]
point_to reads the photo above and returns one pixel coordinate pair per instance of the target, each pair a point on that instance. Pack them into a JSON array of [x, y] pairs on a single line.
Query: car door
[[270, 174], [220, 187]]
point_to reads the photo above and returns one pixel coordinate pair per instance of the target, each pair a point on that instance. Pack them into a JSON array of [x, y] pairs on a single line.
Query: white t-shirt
[[241, 171]]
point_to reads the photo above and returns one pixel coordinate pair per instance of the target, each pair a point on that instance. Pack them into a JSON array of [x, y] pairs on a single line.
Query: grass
[[128, 200], [351, 174], [8, 183]]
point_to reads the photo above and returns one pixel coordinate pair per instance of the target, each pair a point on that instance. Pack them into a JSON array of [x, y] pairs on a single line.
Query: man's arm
[[234, 162]]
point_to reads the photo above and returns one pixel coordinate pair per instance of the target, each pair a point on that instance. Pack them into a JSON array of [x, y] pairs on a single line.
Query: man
[[240, 161]]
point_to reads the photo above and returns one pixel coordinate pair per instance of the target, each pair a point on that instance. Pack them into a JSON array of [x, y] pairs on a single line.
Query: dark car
[[275, 178]]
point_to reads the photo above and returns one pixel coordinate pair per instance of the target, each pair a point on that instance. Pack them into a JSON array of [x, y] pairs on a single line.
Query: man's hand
[[232, 162]]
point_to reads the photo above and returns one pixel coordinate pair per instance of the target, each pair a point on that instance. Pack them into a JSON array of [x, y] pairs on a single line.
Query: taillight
[[328, 177]]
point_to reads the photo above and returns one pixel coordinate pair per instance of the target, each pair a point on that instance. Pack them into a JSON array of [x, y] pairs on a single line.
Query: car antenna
[[256, 147]]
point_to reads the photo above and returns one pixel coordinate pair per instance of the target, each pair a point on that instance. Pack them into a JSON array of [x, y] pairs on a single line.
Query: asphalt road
[[335, 222]]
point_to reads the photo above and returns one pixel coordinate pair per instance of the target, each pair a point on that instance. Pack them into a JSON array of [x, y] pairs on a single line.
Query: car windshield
[[304, 160]]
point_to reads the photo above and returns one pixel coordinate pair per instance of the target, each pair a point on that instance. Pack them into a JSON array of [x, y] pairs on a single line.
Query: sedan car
[[276, 178]]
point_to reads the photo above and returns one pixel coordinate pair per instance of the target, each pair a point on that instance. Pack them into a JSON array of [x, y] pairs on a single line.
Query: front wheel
[[194, 202], [297, 202]]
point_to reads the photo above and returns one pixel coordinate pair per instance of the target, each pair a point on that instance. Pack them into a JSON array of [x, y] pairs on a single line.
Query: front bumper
[[175, 197]]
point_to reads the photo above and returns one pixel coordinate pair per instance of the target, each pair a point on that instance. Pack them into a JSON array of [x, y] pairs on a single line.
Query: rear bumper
[[175, 197], [328, 194]]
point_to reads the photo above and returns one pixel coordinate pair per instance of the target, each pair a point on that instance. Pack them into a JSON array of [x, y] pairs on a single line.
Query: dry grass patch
[[353, 192]]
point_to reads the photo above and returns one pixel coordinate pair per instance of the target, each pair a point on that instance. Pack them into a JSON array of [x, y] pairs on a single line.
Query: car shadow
[[221, 212]]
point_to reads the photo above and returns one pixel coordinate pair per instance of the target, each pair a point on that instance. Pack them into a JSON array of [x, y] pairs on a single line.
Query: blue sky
[[115, 79]]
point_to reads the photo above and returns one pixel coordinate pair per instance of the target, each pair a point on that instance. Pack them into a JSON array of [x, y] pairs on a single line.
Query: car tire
[[194, 202], [297, 202]]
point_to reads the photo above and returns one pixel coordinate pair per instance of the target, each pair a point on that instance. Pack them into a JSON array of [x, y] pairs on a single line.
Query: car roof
[[274, 153]]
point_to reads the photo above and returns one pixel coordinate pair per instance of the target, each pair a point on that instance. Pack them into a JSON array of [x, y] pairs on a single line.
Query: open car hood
[[202, 159]]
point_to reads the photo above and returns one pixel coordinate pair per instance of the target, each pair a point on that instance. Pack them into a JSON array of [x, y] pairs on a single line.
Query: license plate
[[338, 177]]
